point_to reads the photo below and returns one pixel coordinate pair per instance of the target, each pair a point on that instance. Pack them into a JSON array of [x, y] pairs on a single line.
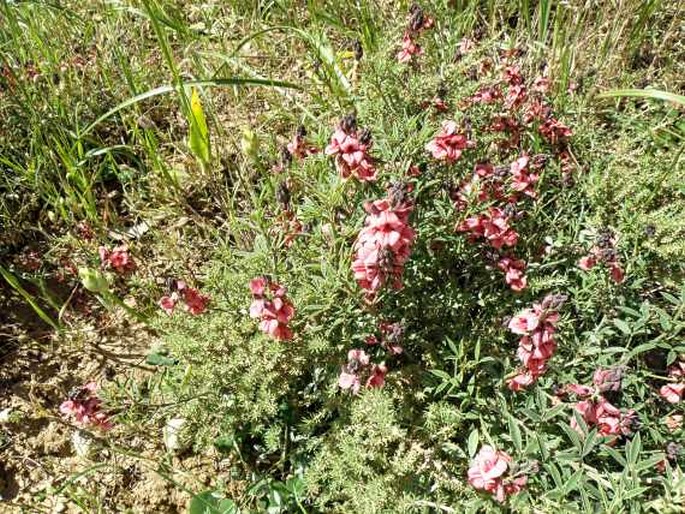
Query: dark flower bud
[[358, 50], [349, 123], [416, 18], [365, 136], [650, 230], [286, 156], [673, 449], [301, 131], [283, 195]]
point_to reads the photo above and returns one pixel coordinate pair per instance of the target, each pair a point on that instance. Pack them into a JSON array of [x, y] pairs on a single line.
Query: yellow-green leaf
[[199, 133]]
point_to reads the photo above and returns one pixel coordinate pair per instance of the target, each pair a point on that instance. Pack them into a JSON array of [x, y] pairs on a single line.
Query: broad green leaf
[[473, 442]]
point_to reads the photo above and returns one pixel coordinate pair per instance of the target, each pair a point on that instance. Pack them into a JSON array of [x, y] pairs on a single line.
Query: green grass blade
[[654, 94], [161, 90], [16, 285]]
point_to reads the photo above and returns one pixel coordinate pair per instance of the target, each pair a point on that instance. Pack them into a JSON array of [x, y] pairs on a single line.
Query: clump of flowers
[[673, 391], [384, 244], [350, 147], [391, 335], [493, 226], [493, 471], [537, 326], [418, 22], [523, 179], [118, 259], [298, 147], [359, 370], [85, 408], [514, 272], [604, 251], [596, 410], [272, 307], [449, 143], [194, 301]]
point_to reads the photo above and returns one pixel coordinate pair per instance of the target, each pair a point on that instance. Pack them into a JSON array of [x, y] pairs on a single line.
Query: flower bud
[[93, 280], [249, 144]]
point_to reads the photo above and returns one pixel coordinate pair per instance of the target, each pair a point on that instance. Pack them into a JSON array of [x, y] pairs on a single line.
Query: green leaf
[[159, 359], [473, 442], [199, 133], [209, 502], [622, 326], [515, 433]]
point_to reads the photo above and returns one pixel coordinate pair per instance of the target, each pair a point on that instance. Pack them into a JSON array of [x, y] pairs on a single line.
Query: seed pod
[[349, 123]]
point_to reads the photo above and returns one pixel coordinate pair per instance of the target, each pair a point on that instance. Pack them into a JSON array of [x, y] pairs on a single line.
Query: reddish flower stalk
[[537, 326], [384, 244], [350, 149], [84, 408], [596, 410], [272, 307], [195, 302]]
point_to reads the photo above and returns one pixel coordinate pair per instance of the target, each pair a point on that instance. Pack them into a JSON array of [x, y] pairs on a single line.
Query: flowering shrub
[[412, 256]]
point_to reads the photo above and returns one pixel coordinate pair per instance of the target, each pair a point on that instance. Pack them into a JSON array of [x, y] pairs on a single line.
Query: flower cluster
[[384, 244], [84, 407], [492, 471], [418, 22], [272, 307], [359, 370], [604, 251], [298, 147], [596, 410], [536, 347], [350, 148], [390, 339], [449, 143], [118, 259], [493, 226], [195, 302], [673, 391], [514, 272]]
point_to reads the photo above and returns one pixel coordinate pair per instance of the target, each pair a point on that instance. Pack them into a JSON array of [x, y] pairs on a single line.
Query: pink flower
[[616, 272], [524, 322], [516, 95], [487, 472], [522, 179], [554, 131], [541, 84], [587, 263], [351, 151], [377, 377], [84, 407], [196, 302], [168, 303], [298, 147], [448, 144], [514, 272], [520, 381], [357, 362], [118, 258], [409, 49], [384, 244], [672, 393], [597, 411], [493, 226], [271, 306]]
